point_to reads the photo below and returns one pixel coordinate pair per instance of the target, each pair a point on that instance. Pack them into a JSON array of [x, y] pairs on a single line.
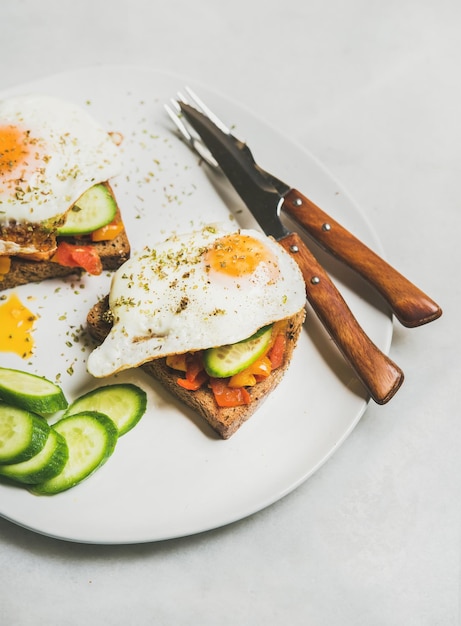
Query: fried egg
[[51, 152], [196, 291]]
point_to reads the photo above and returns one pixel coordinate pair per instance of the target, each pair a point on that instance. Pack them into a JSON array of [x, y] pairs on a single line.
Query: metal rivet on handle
[[294, 249], [315, 280], [297, 202], [326, 227]]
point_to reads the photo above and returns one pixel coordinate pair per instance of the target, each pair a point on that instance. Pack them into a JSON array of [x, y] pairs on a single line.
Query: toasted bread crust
[[224, 420], [23, 271]]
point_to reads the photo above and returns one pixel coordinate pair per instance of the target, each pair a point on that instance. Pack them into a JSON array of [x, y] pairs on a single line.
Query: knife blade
[[377, 372]]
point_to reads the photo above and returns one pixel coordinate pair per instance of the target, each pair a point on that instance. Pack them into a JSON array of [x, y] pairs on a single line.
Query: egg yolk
[[238, 255], [16, 323], [14, 149]]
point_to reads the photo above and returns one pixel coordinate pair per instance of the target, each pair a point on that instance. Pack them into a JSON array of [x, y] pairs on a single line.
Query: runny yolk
[[16, 323], [15, 148], [238, 255]]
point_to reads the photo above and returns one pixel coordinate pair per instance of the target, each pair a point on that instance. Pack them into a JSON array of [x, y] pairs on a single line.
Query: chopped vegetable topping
[[229, 391], [72, 255]]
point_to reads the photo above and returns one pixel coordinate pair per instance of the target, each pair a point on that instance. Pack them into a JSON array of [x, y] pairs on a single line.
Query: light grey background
[[372, 89]]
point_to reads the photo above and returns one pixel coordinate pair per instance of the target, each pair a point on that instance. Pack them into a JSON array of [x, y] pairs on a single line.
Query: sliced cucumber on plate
[[31, 392], [91, 438], [22, 434], [124, 403], [48, 462], [51, 459]]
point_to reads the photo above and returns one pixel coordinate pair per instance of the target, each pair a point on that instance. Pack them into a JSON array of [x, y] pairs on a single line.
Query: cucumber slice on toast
[[44, 465], [91, 438], [233, 358], [31, 392], [124, 403], [22, 434], [94, 209]]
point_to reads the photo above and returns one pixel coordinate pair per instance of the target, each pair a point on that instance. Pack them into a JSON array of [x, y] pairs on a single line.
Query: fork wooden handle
[[409, 304], [380, 376]]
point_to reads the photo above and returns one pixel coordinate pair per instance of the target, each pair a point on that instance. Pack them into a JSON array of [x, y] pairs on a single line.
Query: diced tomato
[[109, 231], [194, 365], [196, 383], [277, 351], [74, 255], [226, 396]]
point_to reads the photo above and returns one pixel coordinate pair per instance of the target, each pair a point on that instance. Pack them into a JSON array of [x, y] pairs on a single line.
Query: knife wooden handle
[[409, 304], [380, 376]]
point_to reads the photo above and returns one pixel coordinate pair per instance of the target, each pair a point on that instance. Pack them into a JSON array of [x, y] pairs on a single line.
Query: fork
[[186, 132]]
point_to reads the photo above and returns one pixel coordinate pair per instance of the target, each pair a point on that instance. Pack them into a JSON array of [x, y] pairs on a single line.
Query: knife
[[377, 372]]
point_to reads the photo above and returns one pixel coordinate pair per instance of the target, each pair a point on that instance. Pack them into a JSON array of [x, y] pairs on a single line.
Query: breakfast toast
[[224, 420], [112, 253]]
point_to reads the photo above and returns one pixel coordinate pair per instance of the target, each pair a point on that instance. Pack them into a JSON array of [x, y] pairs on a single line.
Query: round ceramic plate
[[171, 475]]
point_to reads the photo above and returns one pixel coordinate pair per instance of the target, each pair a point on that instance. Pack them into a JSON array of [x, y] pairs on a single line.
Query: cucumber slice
[[91, 438], [124, 403], [30, 392], [94, 209], [22, 434], [44, 465], [230, 359]]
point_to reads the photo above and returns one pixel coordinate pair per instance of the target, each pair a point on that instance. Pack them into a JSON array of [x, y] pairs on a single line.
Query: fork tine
[[207, 111], [195, 141], [174, 112], [175, 117]]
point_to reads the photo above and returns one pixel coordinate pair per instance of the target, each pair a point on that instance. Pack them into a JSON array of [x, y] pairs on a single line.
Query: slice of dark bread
[[23, 271], [224, 420]]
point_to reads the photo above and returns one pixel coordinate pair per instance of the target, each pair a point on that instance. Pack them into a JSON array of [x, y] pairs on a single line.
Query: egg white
[[69, 153], [164, 300]]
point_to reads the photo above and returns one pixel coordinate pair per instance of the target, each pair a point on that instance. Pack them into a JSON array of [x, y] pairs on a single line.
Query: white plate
[[171, 476]]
